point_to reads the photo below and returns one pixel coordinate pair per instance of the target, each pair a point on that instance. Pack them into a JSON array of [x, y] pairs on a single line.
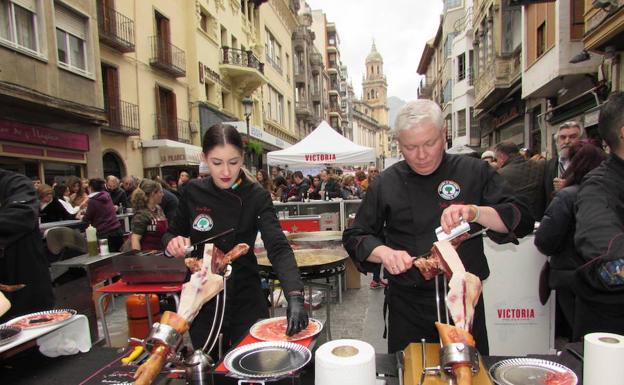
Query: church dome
[[374, 55]]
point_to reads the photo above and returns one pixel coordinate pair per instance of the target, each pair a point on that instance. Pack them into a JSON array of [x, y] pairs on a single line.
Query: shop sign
[[27, 133], [507, 117], [179, 155], [319, 157]]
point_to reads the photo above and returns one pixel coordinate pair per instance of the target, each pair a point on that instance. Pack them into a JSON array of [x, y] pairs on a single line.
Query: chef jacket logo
[[203, 222], [448, 190]]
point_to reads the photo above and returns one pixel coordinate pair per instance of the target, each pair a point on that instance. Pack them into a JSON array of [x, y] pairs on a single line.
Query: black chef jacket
[[205, 210], [402, 209]]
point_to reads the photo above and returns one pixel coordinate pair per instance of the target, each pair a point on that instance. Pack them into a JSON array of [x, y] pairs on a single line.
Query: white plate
[[267, 360], [529, 371]]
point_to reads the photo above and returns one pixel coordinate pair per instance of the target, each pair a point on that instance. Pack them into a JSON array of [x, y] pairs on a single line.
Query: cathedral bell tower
[[375, 87]]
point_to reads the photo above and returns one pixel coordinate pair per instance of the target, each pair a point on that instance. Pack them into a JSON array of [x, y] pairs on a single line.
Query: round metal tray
[[9, 334], [266, 360], [529, 371], [41, 315]]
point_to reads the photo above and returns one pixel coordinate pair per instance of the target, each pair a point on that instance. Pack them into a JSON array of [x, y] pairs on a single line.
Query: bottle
[[92, 243]]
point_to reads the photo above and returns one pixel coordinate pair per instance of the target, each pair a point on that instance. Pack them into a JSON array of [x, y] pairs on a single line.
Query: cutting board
[[413, 366]]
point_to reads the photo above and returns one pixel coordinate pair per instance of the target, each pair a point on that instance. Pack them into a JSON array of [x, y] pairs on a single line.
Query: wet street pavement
[[359, 316]]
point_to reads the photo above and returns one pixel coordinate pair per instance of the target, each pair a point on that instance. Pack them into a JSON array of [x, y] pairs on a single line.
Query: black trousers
[[412, 314], [591, 317], [245, 304]]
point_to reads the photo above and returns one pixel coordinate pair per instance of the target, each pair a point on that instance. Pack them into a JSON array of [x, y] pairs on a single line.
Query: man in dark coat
[[22, 258], [403, 207], [525, 176], [568, 133], [599, 236], [301, 187], [329, 185], [118, 195]]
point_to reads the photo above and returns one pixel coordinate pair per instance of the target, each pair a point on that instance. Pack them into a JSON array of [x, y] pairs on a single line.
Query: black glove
[[296, 314]]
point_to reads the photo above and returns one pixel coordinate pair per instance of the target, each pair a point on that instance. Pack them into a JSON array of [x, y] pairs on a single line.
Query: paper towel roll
[[603, 359], [345, 362]]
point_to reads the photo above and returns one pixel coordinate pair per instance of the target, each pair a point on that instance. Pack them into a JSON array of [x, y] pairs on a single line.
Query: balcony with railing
[[167, 57], [303, 108], [171, 128], [493, 81], [123, 118], [115, 29], [300, 73], [242, 68], [425, 89]]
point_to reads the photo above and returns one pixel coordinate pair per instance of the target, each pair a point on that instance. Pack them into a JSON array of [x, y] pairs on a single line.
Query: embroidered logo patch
[[448, 190], [203, 222]]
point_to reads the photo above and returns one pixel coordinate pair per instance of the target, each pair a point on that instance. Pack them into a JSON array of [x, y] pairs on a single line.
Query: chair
[[61, 240]]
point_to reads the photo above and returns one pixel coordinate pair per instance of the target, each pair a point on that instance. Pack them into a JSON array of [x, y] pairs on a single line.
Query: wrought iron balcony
[[168, 127], [241, 58], [115, 29], [167, 57], [315, 94], [123, 117]]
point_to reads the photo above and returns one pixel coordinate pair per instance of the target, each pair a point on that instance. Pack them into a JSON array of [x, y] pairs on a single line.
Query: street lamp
[[247, 110]]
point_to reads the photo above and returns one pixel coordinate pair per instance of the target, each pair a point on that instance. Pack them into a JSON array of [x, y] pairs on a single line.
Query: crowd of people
[[330, 183], [576, 196]]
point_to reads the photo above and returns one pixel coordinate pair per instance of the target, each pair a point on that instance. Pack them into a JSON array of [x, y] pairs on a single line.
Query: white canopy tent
[[323, 146]]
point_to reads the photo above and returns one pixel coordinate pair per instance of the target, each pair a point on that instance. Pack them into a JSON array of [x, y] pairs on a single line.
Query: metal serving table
[[74, 280], [329, 263]]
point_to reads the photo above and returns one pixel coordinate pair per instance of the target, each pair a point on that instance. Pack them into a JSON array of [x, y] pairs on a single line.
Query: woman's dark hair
[[97, 184], [59, 191], [279, 181], [266, 180], [585, 155], [221, 134]]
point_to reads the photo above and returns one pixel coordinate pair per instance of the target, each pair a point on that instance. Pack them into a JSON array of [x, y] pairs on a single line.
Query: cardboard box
[[330, 221], [352, 275]]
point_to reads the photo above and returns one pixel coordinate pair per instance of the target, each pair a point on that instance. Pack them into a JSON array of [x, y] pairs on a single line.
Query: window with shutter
[[71, 39]]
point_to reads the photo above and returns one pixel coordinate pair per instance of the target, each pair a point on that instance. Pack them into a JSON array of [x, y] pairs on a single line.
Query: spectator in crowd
[[263, 178], [149, 222], [169, 202], [349, 190], [360, 176], [555, 235], [599, 236], [489, 157], [61, 192], [78, 196], [524, 176], [50, 208], [280, 188], [183, 178], [329, 185], [204, 170], [300, 187], [36, 181], [526, 153], [22, 258], [128, 184], [568, 133], [315, 188], [85, 185], [373, 173], [172, 182], [275, 172], [118, 195], [537, 157], [102, 215]]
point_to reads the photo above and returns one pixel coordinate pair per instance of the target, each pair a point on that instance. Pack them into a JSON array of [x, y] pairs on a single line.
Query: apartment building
[[51, 104], [309, 71], [555, 89]]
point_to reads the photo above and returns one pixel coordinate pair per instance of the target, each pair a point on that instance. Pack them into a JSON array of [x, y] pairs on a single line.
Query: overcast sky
[[400, 29]]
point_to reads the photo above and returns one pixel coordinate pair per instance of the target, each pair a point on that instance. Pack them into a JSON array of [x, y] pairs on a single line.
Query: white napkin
[[68, 339]]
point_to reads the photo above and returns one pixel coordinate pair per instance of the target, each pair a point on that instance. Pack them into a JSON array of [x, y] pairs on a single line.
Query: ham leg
[[451, 334], [5, 305]]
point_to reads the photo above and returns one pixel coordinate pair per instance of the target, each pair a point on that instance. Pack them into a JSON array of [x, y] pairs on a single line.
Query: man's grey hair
[[571, 124], [418, 112], [112, 178]]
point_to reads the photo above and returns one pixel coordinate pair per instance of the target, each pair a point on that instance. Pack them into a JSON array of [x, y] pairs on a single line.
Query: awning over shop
[[460, 150], [260, 134], [323, 146], [164, 152]]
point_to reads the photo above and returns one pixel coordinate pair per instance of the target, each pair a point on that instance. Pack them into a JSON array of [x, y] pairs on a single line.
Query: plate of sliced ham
[[531, 371], [274, 329], [43, 318]]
